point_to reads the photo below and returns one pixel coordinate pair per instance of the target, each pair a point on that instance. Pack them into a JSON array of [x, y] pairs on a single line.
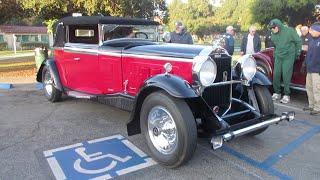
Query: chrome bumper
[[217, 141]]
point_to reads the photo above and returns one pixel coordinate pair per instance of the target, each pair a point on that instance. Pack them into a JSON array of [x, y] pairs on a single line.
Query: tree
[[236, 13], [11, 11], [52, 9], [291, 11], [194, 14]]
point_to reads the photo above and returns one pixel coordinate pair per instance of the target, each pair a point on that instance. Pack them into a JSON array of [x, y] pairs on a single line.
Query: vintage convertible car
[[173, 91], [265, 64]]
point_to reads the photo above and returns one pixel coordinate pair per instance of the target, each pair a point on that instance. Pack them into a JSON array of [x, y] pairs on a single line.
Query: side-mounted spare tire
[[51, 93], [169, 128]]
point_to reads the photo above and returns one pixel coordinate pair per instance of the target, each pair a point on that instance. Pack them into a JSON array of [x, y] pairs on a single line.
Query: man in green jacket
[[287, 48]]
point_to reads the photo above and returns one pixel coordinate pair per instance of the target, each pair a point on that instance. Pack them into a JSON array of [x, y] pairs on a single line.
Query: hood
[[276, 22], [168, 50]]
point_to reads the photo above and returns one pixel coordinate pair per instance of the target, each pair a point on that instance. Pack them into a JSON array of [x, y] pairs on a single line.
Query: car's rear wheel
[[169, 128], [51, 93], [265, 104]]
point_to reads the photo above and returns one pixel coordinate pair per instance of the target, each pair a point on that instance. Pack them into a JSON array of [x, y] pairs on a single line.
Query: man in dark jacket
[[251, 42], [229, 40], [313, 70], [305, 36], [180, 35], [287, 49]]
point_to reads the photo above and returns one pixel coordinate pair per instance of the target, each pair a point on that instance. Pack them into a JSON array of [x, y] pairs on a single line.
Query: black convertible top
[[86, 20]]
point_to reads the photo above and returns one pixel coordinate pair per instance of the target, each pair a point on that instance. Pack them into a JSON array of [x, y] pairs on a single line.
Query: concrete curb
[[5, 86]]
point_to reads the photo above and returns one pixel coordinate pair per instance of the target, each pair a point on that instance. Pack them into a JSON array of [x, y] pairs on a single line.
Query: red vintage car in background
[[265, 64], [173, 91]]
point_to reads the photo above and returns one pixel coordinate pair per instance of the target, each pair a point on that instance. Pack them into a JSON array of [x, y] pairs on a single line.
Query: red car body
[[265, 64], [79, 70], [167, 87]]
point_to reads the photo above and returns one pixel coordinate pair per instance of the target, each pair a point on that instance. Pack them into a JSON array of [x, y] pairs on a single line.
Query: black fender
[[50, 64], [173, 85], [261, 79]]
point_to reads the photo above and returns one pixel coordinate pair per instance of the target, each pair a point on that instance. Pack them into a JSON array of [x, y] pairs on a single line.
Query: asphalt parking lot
[[30, 125]]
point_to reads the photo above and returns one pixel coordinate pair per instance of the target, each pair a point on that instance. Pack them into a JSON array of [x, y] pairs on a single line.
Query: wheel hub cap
[[162, 130]]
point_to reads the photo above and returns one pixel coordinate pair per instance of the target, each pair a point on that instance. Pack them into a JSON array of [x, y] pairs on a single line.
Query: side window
[[116, 32], [87, 34]]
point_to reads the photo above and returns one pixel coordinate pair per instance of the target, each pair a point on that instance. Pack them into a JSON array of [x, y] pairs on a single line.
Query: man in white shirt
[[251, 42]]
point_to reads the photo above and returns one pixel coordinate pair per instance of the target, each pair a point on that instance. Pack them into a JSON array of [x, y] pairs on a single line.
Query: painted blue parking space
[[271, 160], [103, 158], [5, 86], [39, 86]]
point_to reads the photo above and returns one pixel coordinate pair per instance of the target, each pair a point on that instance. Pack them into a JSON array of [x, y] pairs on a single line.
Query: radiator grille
[[219, 95]]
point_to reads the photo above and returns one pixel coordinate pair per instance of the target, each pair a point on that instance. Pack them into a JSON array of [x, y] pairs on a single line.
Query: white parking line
[[56, 169], [149, 162], [118, 136], [50, 152], [290, 107], [134, 148], [104, 177]]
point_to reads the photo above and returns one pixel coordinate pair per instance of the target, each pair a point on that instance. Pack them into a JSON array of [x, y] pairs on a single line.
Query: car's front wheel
[[169, 128], [265, 104], [51, 93]]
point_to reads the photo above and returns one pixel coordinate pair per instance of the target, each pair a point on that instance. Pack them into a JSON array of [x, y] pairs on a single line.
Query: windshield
[[113, 31]]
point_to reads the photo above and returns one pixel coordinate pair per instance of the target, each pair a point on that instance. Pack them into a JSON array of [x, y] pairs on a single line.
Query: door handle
[[76, 59]]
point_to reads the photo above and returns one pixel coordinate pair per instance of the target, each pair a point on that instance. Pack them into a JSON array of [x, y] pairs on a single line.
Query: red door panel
[[110, 80], [82, 71]]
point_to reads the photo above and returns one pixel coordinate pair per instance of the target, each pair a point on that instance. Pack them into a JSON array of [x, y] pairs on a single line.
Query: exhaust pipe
[[218, 141]]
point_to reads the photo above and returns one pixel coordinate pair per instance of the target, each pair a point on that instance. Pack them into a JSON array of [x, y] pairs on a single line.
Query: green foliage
[[202, 19], [196, 15], [293, 12], [11, 12], [50, 25], [55, 9], [236, 13]]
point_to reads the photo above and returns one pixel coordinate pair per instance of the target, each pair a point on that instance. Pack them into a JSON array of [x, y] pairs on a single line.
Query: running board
[[80, 95], [217, 141]]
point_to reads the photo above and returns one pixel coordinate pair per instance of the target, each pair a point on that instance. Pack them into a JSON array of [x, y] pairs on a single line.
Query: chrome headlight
[[248, 66], [205, 69]]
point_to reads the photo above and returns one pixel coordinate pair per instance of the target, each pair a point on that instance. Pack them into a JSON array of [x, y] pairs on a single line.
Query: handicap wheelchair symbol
[[94, 157], [102, 158]]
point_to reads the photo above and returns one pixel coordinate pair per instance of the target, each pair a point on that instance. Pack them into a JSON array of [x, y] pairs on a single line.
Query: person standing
[[180, 35], [305, 36], [229, 39], [251, 42], [313, 70], [287, 49]]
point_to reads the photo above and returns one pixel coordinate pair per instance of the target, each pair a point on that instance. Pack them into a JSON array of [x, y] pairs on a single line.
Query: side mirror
[[166, 37]]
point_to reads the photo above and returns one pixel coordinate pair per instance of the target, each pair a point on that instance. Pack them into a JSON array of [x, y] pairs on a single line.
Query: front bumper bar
[[217, 141]]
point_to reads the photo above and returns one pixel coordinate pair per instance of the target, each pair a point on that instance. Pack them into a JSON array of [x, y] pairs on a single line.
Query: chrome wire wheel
[[162, 130], [48, 83]]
